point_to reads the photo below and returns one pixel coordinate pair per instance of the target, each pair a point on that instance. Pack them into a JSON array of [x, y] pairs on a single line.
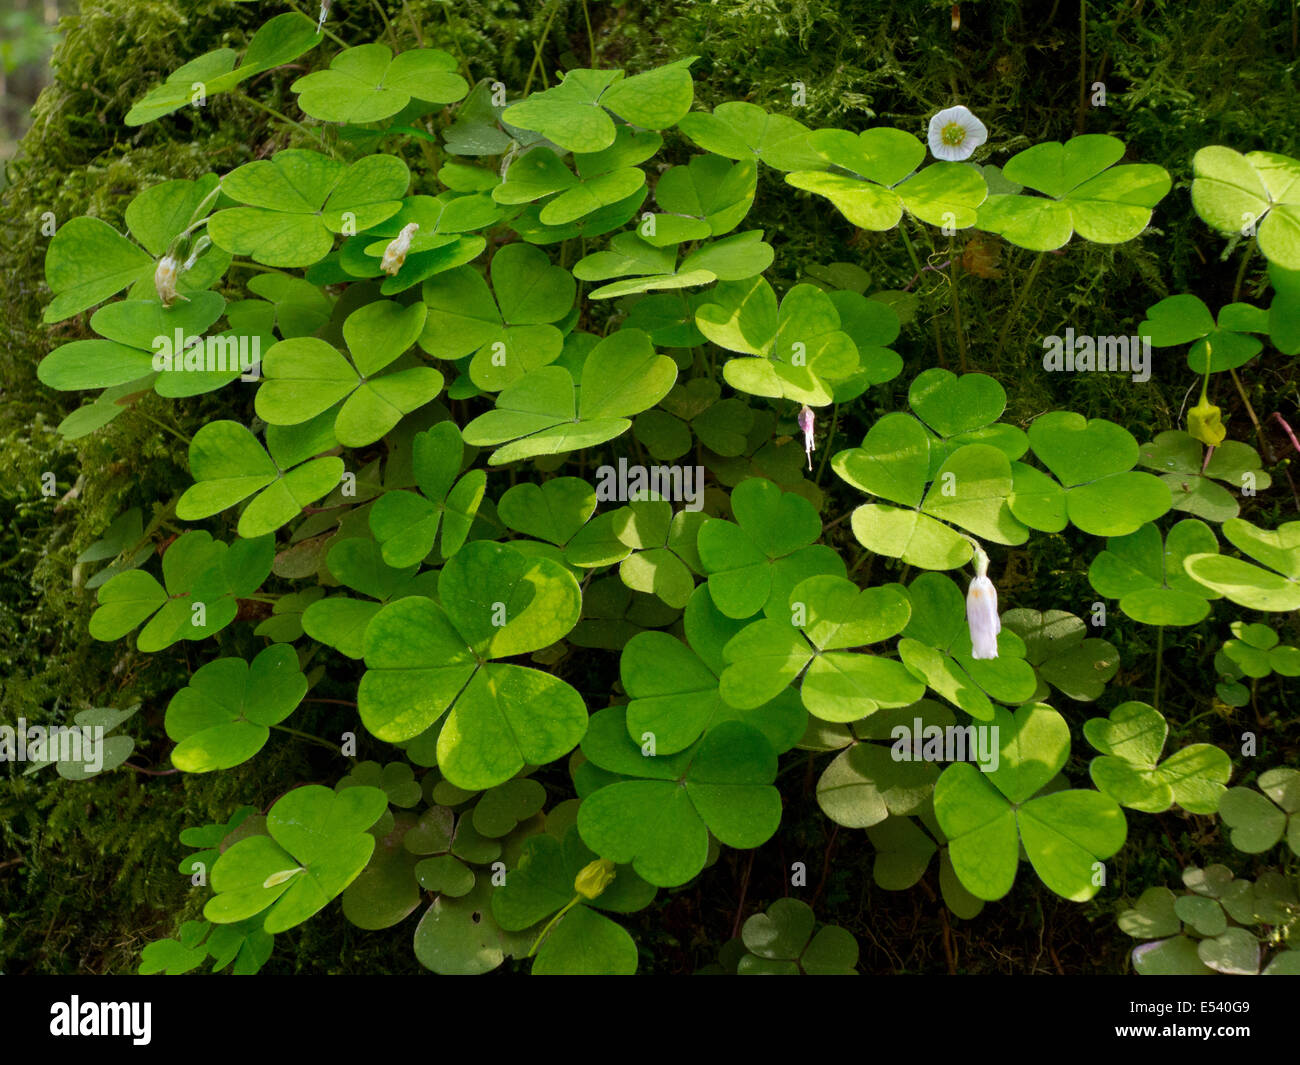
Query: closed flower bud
[[806, 424], [165, 278], [594, 878], [982, 610], [395, 253], [1205, 422]]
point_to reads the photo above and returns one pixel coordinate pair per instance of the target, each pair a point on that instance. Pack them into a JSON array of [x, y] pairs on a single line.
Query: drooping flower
[[594, 878], [982, 610], [395, 253], [324, 14], [1205, 420], [165, 276], [806, 424], [955, 133]]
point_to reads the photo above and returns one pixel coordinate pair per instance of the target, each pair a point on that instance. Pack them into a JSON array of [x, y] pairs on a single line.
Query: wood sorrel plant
[[466, 316]]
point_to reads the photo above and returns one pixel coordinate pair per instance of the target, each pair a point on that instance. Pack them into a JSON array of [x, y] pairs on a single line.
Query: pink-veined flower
[[806, 424], [982, 610], [955, 133]]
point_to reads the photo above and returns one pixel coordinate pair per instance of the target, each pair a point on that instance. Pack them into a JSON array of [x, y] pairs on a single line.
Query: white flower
[[982, 610], [395, 253], [164, 279], [955, 133], [806, 424]]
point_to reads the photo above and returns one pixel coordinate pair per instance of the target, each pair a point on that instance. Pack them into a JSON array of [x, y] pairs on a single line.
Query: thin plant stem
[[916, 264], [1160, 654], [1259, 432], [1021, 296], [387, 25], [285, 118], [552, 922], [826, 449], [591, 39], [956, 314], [307, 736], [1241, 270], [258, 266], [415, 26], [1236, 293], [328, 33], [1083, 67], [165, 427], [537, 49]]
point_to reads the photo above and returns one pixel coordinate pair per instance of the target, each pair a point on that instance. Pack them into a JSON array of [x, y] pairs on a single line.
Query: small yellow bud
[[594, 878], [1204, 423]]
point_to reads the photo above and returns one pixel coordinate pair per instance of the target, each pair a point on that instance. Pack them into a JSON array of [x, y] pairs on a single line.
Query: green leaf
[[366, 84], [88, 261], [223, 717], [1147, 577], [570, 114], [1131, 741], [661, 826], [871, 165], [1082, 191], [1258, 822], [229, 465], [800, 347], [318, 844], [740, 130], [424, 658], [1056, 647], [1236, 193], [1251, 586], [280, 40], [1093, 458], [541, 414], [752, 565], [297, 200]]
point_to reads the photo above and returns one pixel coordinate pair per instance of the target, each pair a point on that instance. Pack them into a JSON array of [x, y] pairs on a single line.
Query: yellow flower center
[[953, 134]]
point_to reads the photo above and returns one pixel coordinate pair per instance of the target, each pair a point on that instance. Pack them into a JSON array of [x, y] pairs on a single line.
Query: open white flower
[[982, 610], [395, 253], [955, 133], [806, 424]]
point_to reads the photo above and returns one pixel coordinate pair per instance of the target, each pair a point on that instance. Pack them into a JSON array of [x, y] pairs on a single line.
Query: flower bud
[[594, 878], [395, 253], [806, 424], [1205, 422], [982, 610], [165, 277]]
